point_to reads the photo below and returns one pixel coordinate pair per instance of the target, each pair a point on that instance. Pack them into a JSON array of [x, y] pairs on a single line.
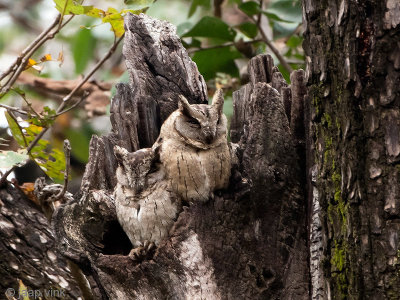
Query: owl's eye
[[193, 121]]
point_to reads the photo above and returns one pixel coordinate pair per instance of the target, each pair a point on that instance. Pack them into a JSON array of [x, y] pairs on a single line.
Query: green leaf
[[19, 91], [80, 143], [212, 28], [138, 4], [15, 130], [83, 45], [274, 17], [250, 8], [289, 10], [215, 60], [294, 41], [249, 29], [54, 165], [116, 21], [283, 29], [197, 3], [9, 159], [71, 7], [53, 162]]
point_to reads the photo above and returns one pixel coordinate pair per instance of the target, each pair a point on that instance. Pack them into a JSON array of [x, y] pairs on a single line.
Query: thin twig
[[273, 49], [5, 175], [67, 153], [27, 103], [65, 100], [191, 51], [259, 14], [29, 48], [16, 109], [84, 96], [87, 77], [25, 59]]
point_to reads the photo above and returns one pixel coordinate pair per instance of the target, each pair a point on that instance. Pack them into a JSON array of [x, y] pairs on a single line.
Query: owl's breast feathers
[[196, 173]]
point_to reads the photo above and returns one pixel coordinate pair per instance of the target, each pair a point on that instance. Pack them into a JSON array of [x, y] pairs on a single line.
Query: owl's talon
[[141, 252], [136, 253], [212, 196], [148, 246]]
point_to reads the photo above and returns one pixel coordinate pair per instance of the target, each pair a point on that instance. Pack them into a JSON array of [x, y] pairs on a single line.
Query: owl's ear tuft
[[184, 106], [218, 101], [120, 153]]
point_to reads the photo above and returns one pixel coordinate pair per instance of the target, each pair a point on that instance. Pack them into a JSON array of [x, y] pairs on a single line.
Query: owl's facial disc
[[201, 123]]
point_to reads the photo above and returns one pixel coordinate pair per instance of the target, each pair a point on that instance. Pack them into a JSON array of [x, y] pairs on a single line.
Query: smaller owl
[[194, 149], [146, 208]]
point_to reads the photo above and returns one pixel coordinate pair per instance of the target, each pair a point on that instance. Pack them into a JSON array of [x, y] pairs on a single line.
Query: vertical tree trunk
[[353, 57]]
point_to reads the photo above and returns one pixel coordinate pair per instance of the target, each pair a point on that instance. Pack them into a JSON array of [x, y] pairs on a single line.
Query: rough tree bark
[[250, 242], [353, 56], [28, 249]]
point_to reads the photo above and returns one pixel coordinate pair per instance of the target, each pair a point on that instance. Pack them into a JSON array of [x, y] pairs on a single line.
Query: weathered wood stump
[[250, 242]]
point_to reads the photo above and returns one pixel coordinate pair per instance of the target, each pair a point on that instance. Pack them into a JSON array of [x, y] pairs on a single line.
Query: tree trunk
[[28, 251], [250, 242], [353, 57]]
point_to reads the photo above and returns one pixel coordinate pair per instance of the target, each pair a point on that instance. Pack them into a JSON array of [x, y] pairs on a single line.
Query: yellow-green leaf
[[116, 21], [15, 130], [53, 164], [138, 4], [96, 13], [71, 7]]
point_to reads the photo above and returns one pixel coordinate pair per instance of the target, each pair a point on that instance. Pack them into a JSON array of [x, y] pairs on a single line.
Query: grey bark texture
[[353, 57], [28, 250], [250, 242]]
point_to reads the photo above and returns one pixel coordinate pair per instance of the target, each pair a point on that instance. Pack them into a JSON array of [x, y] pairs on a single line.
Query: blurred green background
[[221, 37]]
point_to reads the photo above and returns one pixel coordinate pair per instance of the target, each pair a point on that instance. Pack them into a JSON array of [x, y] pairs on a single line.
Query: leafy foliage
[[250, 8], [216, 43], [111, 15], [249, 29], [284, 17], [83, 45], [52, 162], [211, 27], [210, 61]]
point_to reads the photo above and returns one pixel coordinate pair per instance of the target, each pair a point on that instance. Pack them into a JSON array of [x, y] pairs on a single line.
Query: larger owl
[[194, 149], [189, 161]]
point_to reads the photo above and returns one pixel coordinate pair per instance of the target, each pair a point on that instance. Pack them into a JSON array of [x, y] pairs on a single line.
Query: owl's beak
[[209, 135]]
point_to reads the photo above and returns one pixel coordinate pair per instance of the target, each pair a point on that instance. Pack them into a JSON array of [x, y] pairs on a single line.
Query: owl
[[189, 161], [194, 149], [145, 205]]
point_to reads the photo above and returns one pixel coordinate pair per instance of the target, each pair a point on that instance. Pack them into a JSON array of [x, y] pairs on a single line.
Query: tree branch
[[65, 100], [191, 51], [31, 49], [272, 47]]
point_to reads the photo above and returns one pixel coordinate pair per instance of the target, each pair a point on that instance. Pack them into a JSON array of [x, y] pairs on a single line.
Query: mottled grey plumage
[[194, 149], [145, 206], [189, 161]]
